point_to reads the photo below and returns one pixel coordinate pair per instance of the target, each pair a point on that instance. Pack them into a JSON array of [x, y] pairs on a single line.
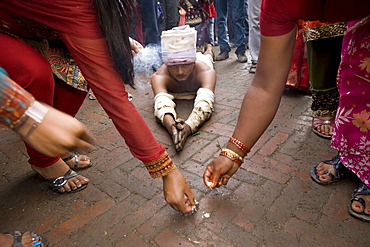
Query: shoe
[[222, 56], [75, 165], [316, 122], [340, 171], [242, 58], [362, 189], [91, 96], [38, 241], [253, 68], [57, 183]]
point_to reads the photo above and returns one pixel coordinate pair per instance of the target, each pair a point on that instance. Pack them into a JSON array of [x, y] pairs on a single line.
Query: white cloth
[[203, 109], [163, 104], [178, 45]]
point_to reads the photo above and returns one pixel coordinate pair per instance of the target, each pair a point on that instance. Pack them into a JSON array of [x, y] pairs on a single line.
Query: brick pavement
[[271, 200]]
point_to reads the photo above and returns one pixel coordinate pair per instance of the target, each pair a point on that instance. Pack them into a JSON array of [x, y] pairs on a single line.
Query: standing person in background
[[237, 14], [97, 38], [209, 6], [351, 131], [170, 10], [246, 23], [197, 17], [254, 8], [150, 21], [324, 44]]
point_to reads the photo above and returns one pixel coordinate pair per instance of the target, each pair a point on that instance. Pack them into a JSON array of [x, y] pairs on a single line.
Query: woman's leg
[[29, 69], [69, 100], [323, 60]]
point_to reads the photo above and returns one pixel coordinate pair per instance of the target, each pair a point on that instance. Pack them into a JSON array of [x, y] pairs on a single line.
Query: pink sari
[[352, 125]]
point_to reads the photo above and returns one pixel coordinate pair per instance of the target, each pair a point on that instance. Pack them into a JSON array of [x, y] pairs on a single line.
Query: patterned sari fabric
[[352, 126]]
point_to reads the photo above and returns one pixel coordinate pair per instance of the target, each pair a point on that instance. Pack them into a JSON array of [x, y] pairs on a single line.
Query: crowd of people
[[97, 44]]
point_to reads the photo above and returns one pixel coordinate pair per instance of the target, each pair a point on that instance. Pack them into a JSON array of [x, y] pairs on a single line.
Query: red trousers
[[30, 70]]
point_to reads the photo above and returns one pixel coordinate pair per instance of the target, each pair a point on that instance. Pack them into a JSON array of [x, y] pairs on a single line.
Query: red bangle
[[240, 145]]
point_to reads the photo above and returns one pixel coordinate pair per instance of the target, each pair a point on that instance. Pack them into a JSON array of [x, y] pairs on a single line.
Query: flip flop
[[340, 171], [362, 189], [75, 165], [316, 122]]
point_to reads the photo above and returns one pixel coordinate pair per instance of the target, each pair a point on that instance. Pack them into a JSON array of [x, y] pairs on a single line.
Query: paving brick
[[80, 219], [270, 201], [170, 238]]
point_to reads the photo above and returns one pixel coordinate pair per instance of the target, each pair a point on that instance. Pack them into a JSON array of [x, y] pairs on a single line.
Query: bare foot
[[28, 240], [58, 169], [209, 50]]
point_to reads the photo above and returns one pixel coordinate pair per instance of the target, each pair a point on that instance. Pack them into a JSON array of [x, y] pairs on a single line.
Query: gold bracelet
[[232, 155]]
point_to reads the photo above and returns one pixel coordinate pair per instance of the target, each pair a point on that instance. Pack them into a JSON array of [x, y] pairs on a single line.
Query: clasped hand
[[179, 132]]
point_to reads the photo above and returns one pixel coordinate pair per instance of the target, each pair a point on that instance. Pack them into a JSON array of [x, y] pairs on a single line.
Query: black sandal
[[362, 189], [57, 183], [42, 242], [340, 171], [75, 165], [253, 68]]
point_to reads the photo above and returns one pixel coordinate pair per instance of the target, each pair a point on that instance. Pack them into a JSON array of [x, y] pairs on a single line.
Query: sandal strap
[[57, 183], [75, 165], [70, 157], [358, 199], [340, 170], [17, 239], [362, 189]]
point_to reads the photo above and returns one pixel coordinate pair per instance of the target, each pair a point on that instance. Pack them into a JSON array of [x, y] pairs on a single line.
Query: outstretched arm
[[260, 103]]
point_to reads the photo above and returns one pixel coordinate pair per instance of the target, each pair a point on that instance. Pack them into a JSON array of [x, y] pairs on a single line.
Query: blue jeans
[[238, 17]]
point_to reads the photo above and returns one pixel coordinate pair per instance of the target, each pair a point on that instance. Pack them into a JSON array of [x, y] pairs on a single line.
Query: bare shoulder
[[160, 80]]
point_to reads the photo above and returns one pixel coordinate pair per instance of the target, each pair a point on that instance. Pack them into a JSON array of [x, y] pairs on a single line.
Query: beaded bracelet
[[232, 155], [161, 166], [240, 145]]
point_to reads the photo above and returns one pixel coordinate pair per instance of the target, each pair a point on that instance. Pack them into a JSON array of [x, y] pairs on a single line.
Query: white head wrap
[[178, 45]]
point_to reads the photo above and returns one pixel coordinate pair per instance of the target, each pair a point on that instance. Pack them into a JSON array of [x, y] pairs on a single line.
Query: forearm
[[262, 99], [257, 111]]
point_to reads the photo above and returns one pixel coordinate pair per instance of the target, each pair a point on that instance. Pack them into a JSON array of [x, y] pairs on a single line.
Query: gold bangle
[[232, 155]]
